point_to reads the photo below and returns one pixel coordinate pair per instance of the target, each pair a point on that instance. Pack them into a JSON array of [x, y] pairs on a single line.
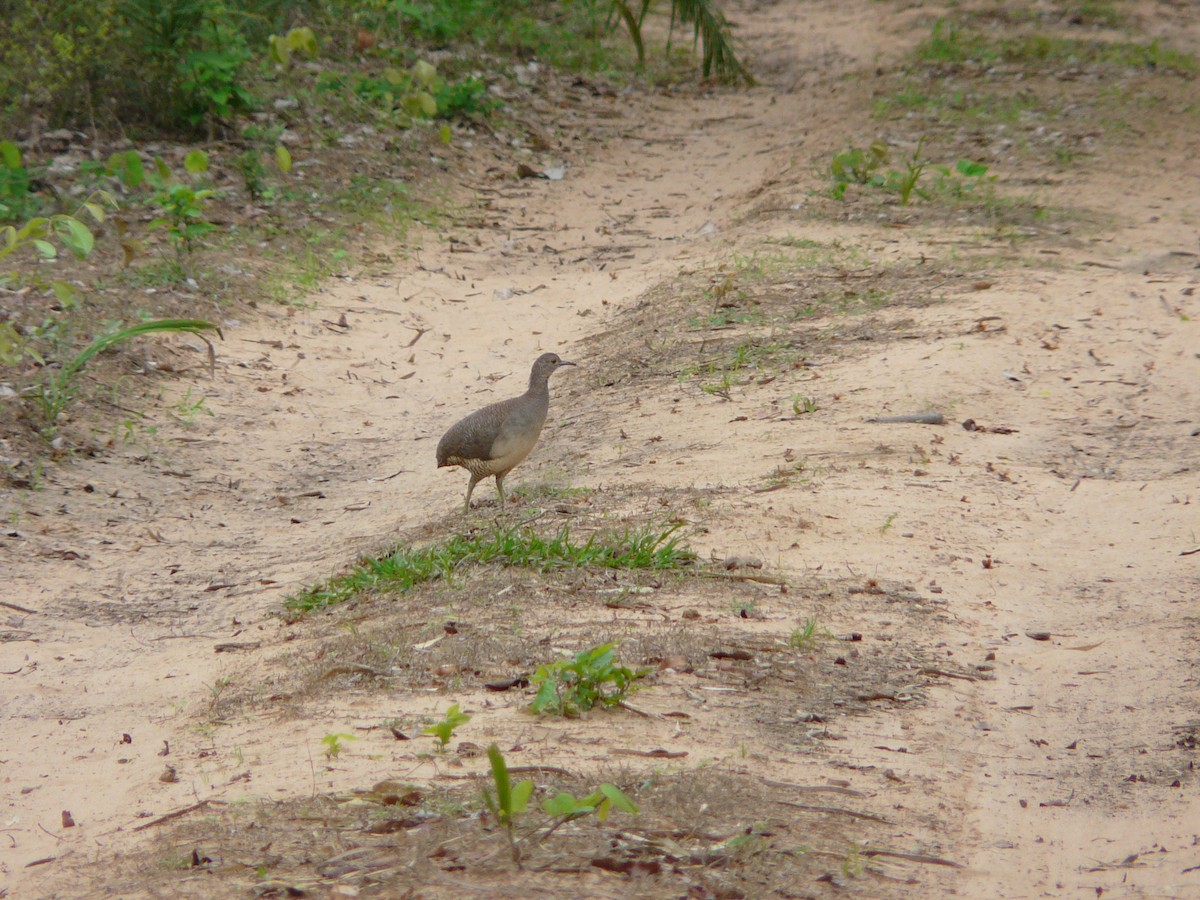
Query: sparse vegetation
[[405, 567], [962, 182], [60, 389], [952, 43]]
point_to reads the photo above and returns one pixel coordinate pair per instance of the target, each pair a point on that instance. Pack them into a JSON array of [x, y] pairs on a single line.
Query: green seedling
[[802, 405], [905, 183], [506, 801], [300, 41], [18, 200], [567, 687], [857, 166], [852, 864], [333, 744], [181, 205], [444, 730], [188, 409], [806, 636], [887, 523]]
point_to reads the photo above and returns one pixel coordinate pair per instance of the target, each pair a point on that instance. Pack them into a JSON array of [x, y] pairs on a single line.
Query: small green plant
[[70, 230], [444, 729], [181, 205], [803, 405], [852, 864], [187, 409], [58, 391], [211, 77], [300, 41], [262, 145], [804, 637], [506, 801], [888, 522], [333, 744], [855, 165], [904, 183], [17, 200], [567, 687], [720, 388], [249, 165], [463, 98], [967, 180]]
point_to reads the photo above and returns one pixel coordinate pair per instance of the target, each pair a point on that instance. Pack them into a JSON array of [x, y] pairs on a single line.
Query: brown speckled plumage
[[493, 440]]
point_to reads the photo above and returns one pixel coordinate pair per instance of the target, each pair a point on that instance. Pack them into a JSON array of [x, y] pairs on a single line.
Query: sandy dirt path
[[1050, 556]]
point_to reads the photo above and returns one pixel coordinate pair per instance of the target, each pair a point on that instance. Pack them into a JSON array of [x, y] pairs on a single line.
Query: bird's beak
[[563, 362]]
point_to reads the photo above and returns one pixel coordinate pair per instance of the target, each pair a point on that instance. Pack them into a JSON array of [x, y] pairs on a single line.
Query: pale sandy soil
[[1059, 767]]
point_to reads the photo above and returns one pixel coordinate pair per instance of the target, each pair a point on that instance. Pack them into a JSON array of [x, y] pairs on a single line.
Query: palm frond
[[712, 31]]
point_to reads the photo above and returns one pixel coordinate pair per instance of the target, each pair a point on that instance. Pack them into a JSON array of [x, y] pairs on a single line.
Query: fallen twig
[[353, 669], [176, 814], [836, 810], [913, 857], [925, 418], [636, 711], [942, 673], [649, 754], [739, 576], [5, 603], [812, 788]]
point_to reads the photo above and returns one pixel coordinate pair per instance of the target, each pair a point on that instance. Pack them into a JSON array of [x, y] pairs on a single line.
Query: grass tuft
[[406, 567]]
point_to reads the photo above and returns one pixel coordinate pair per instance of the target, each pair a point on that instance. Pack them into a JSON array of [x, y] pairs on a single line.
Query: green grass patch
[[951, 43], [958, 107], [843, 303], [749, 354], [406, 567]]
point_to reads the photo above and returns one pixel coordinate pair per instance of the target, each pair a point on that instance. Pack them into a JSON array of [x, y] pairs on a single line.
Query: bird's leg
[[500, 488], [470, 488]]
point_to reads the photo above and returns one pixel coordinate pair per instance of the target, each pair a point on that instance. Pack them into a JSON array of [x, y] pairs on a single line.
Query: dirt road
[[1022, 699]]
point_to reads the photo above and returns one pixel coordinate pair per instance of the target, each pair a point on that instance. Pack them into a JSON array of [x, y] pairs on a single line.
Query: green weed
[[506, 801], [567, 687], [181, 205], [187, 409], [856, 165], [806, 636], [333, 744], [803, 405], [444, 730], [58, 391], [17, 199], [965, 180]]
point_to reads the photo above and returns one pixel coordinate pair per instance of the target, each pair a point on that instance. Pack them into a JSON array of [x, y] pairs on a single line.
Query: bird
[[493, 440]]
